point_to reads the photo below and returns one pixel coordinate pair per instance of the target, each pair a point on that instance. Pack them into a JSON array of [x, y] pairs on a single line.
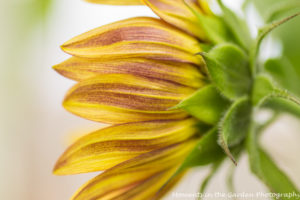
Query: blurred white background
[[34, 128]]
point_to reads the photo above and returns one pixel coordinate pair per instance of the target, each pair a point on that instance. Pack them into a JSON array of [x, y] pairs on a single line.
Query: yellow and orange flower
[[130, 73]]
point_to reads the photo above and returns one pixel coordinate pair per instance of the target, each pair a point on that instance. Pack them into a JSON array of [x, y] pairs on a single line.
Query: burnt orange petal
[[121, 98], [138, 178], [110, 146], [182, 73], [141, 37]]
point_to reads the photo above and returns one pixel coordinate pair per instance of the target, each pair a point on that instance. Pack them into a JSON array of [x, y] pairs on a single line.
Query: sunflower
[[179, 91], [131, 74]]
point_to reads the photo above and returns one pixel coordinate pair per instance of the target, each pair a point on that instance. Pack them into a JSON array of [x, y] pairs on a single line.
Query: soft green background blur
[[34, 128]]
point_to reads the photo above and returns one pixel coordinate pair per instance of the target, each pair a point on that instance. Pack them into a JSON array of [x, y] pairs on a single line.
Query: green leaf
[[234, 126], [274, 177], [228, 69], [237, 26], [206, 105], [265, 169]]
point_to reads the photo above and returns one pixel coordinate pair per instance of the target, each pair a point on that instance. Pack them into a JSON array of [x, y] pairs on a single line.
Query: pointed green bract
[[215, 29], [206, 105], [234, 125], [228, 69], [213, 26], [206, 151]]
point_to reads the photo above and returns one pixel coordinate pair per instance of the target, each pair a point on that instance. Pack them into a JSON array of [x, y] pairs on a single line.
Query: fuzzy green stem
[[262, 34], [286, 95]]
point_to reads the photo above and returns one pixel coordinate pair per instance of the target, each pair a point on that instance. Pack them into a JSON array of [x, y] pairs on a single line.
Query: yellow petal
[[141, 37], [80, 69], [121, 98], [138, 178], [110, 146], [116, 2], [177, 13]]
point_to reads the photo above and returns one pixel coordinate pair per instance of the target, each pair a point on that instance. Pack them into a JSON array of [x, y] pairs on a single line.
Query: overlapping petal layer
[[177, 13], [122, 98], [140, 37], [182, 73], [138, 178], [110, 146], [117, 2], [130, 74]]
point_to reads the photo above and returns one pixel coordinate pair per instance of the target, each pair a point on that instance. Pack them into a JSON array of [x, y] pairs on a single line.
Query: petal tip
[[65, 47], [57, 68], [57, 169], [61, 69], [66, 103]]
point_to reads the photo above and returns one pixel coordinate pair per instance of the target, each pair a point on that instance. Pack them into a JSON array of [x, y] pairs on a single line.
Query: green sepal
[[213, 26], [206, 46], [205, 152], [206, 104], [227, 66], [237, 26], [233, 128]]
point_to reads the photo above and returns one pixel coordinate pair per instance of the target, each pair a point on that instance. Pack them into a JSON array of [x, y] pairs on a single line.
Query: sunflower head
[[179, 91]]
